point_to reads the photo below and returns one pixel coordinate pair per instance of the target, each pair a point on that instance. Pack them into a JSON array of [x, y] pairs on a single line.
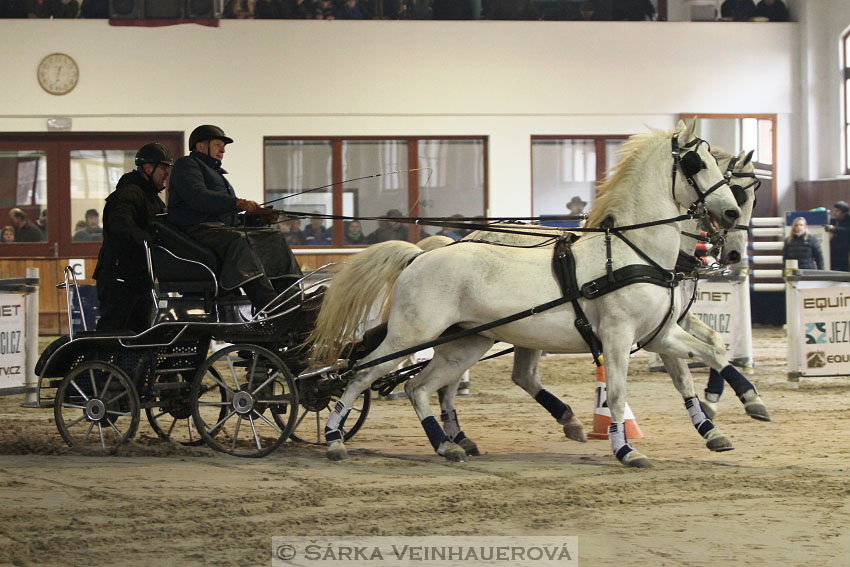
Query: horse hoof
[[708, 408], [574, 430], [336, 451], [454, 453], [718, 442], [637, 460], [757, 410], [469, 446]]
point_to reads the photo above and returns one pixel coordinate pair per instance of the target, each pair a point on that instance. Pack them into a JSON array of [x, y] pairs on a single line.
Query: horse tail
[[353, 291]]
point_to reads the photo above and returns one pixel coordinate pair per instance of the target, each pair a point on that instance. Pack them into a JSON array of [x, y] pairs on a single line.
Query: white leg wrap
[[619, 444], [701, 422]]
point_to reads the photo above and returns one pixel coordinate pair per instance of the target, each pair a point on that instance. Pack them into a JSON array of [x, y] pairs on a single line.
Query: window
[[373, 177], [59, 182], [846, 63], [565, 168]]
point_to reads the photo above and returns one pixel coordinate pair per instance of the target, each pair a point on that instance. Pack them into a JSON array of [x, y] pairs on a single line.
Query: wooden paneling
[[821, 193]]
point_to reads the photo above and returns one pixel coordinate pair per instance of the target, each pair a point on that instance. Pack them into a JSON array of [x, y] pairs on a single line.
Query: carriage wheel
[[171, 419], [259, 405], [96, 405], [313, 414]]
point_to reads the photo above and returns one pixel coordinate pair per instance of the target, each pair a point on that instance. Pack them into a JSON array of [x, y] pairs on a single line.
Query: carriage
[[206, 371]]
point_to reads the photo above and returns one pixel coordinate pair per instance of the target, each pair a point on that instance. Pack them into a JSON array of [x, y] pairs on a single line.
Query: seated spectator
[[41, 223], [239, 9], [12, 9], [452, 10], [803, 247], [315, 234], [25, 229], [350, 10], [298, 9], [773, 10], [632, 10], [510, 10], [291, 229], [737, 10], [91, 231], [354, 234], [65, 9], [8, 234], [269, 9], [453, 233], [94, 9], [587, 12], [324, 10], [389, 230]]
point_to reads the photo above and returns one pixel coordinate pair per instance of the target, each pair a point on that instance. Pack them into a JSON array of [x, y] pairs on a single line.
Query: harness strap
[[564, 267]]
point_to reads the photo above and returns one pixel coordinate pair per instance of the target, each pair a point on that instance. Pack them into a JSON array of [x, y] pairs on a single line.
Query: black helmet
[[154, 153], [207, 132]]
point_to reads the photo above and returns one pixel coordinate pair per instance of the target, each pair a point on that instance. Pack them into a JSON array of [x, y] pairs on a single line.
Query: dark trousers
[[124, 307]]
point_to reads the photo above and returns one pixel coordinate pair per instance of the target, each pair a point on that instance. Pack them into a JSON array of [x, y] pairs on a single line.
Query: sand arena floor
[[782, 497]]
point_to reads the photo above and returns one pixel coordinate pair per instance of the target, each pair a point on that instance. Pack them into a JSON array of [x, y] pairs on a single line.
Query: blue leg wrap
[[555, 406], [435, 433], [459, 437], [736, 380], [450, 424], [715, 383]]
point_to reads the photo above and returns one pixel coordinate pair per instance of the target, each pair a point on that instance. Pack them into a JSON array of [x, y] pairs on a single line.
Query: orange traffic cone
[[602, 415]]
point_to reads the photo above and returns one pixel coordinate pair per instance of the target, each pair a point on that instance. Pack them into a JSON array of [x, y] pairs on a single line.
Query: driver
[[204, 204], [123, 282]]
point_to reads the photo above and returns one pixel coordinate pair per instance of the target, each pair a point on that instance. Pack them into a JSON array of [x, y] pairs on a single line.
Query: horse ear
[[680, 127], [691, 127], [748, 158]]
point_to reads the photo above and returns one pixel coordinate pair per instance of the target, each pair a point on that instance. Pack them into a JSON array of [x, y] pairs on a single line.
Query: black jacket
[[806, 250], [198, 192], [126, 215]]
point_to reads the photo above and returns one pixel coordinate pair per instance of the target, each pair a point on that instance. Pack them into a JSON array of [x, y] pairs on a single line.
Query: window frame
[[337, 181], [58, 147], [600, 141]]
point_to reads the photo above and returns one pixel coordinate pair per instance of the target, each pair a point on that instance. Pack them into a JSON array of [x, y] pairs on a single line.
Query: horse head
[[743, 182], [709, 192]]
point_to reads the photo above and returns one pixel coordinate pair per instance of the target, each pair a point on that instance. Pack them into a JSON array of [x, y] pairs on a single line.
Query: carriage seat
[[182, 265]]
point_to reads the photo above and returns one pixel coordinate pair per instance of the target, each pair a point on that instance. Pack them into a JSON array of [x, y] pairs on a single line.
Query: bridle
[[691, 163]]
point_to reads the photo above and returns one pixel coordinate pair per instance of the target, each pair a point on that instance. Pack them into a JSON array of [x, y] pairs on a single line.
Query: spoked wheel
[[96, 405], [259, 406], [315, 409], [172, 419]]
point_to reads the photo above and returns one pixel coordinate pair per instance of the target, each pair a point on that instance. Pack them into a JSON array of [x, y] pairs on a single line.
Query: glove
[[246, 205]]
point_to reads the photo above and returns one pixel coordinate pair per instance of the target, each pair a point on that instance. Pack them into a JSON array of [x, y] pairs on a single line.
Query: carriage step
[[163, 371]]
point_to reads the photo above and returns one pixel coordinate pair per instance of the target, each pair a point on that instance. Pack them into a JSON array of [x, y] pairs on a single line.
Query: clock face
[[58, 73]]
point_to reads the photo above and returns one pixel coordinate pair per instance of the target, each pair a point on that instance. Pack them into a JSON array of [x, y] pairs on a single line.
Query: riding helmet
[[154, 153], [207, 132]]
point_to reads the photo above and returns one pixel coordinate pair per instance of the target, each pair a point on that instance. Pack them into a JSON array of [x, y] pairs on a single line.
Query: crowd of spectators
[[608, 10]]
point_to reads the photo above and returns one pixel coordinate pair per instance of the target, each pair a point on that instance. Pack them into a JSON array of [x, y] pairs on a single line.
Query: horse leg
[[445, 369], [674, 346], [448, 415], [525, 376], [616, 369], [744, 389]]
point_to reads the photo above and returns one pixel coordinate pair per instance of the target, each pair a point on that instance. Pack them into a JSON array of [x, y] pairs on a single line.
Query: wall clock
[[58, 73]]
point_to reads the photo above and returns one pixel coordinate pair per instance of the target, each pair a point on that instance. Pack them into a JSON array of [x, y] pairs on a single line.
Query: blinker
[[692, 163], [739, 193]]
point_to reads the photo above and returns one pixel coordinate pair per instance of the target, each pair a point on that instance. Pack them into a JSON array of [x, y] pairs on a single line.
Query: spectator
[[239, 9], [350, 10], [354, 234], [298, 9], [737, 10], [8, 234], [41, 223], [12, 9], [315, 234], [270, 9], [390, 230], [452, 10], [632, 10], [324, 10], [65, 9], [576, 205], [37, 8], [291, 229], [25, 229], [839, 237], [94, 9], [587, 12], [510, 10], [773, 10], [803, 247], [91, 231]]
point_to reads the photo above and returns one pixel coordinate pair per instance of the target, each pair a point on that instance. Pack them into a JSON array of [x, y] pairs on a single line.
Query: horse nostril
[[733, 213], [734, 257]]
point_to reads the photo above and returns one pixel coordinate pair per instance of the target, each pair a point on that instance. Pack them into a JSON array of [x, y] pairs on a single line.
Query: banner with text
[[12, 333], [823, 336]]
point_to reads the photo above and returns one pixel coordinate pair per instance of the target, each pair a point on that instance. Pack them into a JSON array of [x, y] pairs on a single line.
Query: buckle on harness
[[591, 289]]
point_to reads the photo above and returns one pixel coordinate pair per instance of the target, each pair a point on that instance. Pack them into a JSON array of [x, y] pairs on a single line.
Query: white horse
[[474, 284], [736, 168]]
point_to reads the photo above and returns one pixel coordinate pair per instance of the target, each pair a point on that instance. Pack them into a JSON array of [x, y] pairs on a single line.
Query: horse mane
[[610, 202]]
